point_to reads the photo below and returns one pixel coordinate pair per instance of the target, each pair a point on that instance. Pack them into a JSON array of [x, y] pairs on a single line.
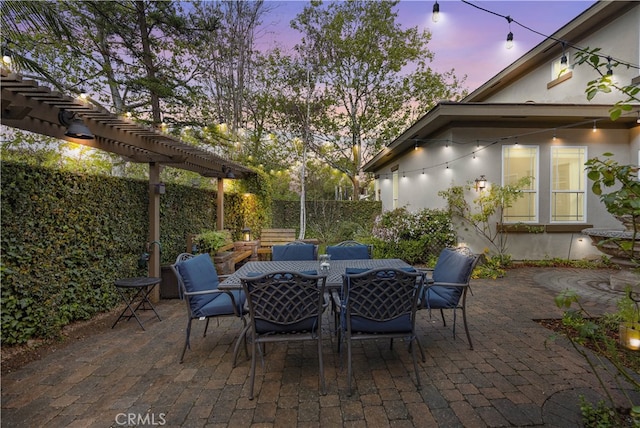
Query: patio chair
[[447, 287], [198, 284], [294, 251], [380, 303], [350, 250], [284, 306]]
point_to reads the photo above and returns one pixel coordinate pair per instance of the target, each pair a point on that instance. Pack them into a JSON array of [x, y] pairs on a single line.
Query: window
[[395, 188], [519, 162], [568, 184]]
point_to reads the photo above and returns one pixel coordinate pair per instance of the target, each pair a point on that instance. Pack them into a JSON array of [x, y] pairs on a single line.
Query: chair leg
[[443, 320], [206, 326], [349, 374], [186, 341], [252, 373], [415, 362], [466, 327], [243, 338], [323, 386]]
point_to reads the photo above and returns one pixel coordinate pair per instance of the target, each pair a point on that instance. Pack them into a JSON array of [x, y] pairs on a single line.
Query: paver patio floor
[[515, 376]]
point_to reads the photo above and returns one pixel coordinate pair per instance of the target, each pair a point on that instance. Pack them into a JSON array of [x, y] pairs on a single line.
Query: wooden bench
[[271, 237], [228, 257]]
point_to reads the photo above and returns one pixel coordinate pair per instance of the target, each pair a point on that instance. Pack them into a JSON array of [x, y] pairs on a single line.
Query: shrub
[[417, 238]]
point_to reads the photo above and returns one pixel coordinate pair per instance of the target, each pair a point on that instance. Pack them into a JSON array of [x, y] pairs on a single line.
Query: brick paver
[[514, 376]]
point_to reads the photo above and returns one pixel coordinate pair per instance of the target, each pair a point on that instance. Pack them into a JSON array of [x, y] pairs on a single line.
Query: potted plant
[[629, 312], [210, 241]]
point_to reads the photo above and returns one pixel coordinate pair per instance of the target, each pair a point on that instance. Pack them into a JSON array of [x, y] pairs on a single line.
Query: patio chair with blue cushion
[[285, 306], [198, 284], [350, 250], [294, 251], [447, 287], [380, 303]]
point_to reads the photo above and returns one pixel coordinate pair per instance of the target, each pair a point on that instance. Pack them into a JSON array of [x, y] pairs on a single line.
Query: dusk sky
[[465, 38]]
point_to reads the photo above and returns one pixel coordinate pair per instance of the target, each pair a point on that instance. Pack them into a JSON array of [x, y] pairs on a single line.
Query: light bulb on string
[[435, 16], [509, 44], [594, 127]]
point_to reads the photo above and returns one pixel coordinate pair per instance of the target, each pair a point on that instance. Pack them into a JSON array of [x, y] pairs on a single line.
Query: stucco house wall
[[453, 145]]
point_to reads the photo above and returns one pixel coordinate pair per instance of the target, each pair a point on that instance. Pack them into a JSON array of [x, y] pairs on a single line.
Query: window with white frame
[[518, 162], [568, 184]]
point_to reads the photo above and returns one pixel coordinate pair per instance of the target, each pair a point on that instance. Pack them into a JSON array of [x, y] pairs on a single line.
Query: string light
[[509, 44], [510, 36], [609, 71], [594, 126], [563, 60], [436, 12], [416, 147]]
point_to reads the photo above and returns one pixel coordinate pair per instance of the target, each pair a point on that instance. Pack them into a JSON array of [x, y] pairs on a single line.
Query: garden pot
[[630, 335]]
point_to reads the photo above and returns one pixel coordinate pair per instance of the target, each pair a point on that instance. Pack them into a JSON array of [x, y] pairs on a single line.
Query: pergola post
[[154, 227], [220, 205]]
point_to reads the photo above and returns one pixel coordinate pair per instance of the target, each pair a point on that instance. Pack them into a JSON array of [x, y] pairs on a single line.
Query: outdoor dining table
[[337, 268], [334, 276]]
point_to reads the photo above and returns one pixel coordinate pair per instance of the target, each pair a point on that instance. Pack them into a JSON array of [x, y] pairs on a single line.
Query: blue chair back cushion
[[354, 252], [452, 267], [293, 252], [199, 274]]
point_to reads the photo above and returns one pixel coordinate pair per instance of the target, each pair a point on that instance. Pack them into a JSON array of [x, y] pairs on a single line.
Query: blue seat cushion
[[222, 305], [401, 324], [452, 267], [309, 324], [293, 252], [440, 297], [199, 274], [354, 252]]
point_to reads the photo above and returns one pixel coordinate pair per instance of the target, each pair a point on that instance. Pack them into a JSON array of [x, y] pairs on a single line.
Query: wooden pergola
[[29, 106]]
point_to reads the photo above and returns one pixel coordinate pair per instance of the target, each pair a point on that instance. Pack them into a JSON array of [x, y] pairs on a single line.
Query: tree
[[487, 215], [372, 76]]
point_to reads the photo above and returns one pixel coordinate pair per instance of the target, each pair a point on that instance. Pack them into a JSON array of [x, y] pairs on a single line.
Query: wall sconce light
[[246, 234], [160, 189], [227, 172], [75, 126], [481, 183]]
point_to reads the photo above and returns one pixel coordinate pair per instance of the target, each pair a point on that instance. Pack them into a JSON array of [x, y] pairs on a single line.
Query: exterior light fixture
[[509, 44], [436, 12], [227, 172], [160, 188], [481, 183], [75, 126], [246, 234]]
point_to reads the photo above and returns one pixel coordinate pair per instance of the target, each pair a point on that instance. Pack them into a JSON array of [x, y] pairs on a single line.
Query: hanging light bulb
[[415, 147], [436, 12], [609, 70], [563, 59], [594, 127], [509, 44]]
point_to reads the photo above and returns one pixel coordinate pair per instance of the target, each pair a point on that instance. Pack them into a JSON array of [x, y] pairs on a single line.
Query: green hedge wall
[[329, 221], [66, 238]]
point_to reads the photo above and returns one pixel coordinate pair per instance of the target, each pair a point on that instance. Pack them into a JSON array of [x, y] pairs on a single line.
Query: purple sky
[[465, 38]]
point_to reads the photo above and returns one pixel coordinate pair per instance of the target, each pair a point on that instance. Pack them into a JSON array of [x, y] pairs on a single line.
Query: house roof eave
[[448, 115]]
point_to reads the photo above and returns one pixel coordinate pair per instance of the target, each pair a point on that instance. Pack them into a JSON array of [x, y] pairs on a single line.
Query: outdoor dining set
[[284, 299]]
